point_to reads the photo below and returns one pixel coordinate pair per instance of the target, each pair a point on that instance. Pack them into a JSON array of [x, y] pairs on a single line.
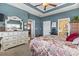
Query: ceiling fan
[[45, 5]]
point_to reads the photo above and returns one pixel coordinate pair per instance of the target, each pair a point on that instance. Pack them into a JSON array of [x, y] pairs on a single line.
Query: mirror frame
[[15, 18]]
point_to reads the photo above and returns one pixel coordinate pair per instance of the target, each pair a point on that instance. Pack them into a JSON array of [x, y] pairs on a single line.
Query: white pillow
[[76, 41]]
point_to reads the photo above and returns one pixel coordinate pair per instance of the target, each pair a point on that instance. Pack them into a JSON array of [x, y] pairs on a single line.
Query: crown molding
[[40, 14]]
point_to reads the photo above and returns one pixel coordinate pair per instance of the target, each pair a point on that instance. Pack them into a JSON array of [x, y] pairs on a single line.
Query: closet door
[[46, 28]]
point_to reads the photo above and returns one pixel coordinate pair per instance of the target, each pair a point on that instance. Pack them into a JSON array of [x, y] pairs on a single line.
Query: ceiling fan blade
[[45, 7], [52, 4], [38, 5]]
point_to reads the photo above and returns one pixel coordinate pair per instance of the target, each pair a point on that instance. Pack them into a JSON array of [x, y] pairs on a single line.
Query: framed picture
[[53, 24]]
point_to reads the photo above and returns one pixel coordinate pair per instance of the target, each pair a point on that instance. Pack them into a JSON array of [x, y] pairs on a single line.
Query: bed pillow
[[71, 37], [76, 41]]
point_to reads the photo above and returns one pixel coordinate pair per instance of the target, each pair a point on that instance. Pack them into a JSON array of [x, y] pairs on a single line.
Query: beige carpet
[[22, 50]]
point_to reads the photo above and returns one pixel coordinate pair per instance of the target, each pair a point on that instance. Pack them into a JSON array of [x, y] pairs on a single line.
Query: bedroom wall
[[54, 18], [13, 11], [38, 23]]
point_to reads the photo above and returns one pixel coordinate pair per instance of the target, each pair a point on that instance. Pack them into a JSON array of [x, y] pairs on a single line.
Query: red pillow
[[72, 36]]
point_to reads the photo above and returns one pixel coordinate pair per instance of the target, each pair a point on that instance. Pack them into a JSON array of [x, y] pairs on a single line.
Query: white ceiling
[[40, 14]]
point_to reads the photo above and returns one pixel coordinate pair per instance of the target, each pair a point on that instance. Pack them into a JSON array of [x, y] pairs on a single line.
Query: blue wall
[[54, 18], [38, 24], [13, 11]]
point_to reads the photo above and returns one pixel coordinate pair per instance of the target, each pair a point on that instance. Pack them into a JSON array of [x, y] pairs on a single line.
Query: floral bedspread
[[52, 46]]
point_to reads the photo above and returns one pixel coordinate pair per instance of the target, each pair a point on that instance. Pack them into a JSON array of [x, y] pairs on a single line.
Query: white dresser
[[11, 39]]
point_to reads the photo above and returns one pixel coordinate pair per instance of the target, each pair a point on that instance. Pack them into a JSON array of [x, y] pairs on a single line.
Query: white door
[[46, 27]]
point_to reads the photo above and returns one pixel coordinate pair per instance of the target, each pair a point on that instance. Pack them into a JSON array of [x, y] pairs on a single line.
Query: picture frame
[[53, 24]]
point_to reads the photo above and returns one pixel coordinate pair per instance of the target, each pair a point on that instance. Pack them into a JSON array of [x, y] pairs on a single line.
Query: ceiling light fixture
[[46, 4]]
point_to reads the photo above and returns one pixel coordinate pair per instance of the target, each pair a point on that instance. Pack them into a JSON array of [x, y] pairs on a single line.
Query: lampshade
[[29, 22]]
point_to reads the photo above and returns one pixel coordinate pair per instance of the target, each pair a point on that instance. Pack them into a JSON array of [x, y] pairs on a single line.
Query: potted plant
[[74, 23], [75, 19]]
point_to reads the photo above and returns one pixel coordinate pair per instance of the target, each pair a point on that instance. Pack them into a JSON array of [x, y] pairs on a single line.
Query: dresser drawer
[[5, 46], [5, 39], [13, 43], [20, 42]]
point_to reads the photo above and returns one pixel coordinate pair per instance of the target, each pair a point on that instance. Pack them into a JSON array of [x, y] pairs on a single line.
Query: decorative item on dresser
[[11, 39], [75, 24]]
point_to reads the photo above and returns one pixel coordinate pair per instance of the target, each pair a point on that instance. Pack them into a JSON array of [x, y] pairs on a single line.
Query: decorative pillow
[[76, 41], [71, 37]]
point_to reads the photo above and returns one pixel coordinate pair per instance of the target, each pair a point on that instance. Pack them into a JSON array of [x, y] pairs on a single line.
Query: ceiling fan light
[[45, 4]]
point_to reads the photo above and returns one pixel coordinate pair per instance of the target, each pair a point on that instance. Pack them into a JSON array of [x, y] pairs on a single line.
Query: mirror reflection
[[10, 23]]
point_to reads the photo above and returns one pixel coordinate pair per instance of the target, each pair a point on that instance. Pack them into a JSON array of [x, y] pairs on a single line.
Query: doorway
[[63, 27], [31, 27]]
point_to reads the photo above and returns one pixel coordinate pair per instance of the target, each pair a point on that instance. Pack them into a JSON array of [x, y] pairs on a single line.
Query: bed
[[53, 46]]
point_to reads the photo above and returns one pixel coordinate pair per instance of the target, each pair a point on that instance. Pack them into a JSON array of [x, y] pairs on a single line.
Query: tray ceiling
[[49, 7], [39, 10]]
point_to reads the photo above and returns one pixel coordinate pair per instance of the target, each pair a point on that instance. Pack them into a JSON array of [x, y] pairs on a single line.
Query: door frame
[[68, 27], [43, 26], [32, 31]]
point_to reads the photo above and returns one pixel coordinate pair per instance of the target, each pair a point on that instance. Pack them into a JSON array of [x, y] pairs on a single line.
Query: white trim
[[26, 8], [13, 18], [40, 14], [64, 9], [32, 27], [69, 24]]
